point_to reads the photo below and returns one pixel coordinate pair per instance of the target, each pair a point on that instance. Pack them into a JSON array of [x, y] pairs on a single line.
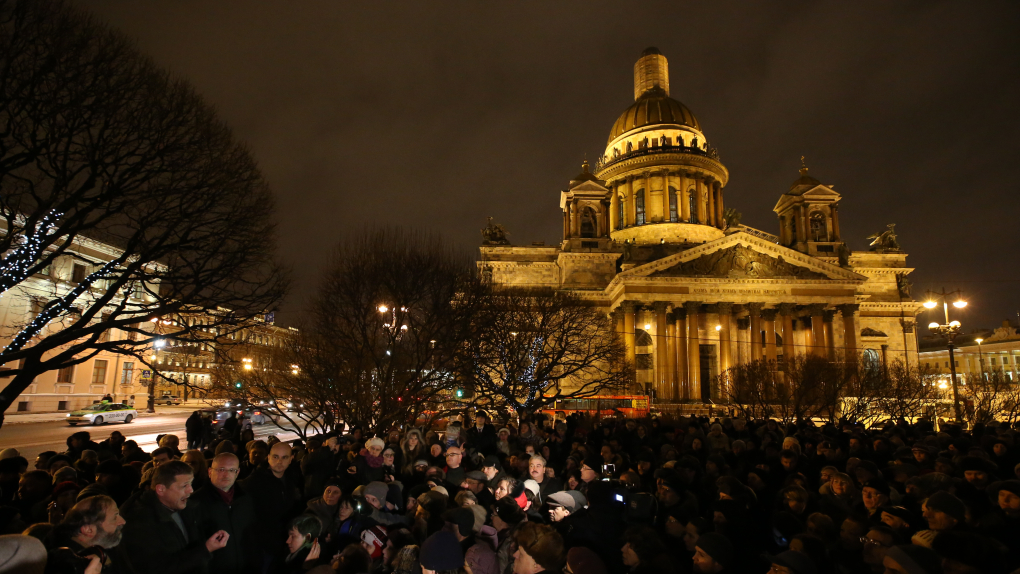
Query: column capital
[[754, 309], [629, 306], [769, 314], [848, 309], [743, 323], [724, 308], [786, 308], [828, 315], [660, 306], [692, 307], [908, 325], [815, 309], [679, 313]]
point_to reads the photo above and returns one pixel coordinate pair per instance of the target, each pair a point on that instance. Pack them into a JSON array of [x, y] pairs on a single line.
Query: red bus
[[630, 406]]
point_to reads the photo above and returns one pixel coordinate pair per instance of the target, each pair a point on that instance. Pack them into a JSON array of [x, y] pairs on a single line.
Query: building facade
[[982, 352], [647, 237]]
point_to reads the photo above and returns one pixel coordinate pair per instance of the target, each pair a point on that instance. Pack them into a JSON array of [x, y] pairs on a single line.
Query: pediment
[[742, 256], [590, 187]]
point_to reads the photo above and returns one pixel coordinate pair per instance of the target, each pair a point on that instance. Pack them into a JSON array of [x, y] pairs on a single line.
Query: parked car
[[168, 400], [102, 413]]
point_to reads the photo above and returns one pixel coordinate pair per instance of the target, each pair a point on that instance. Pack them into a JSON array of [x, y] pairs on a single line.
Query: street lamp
[[247, 363], [949, 330], [981, 358]]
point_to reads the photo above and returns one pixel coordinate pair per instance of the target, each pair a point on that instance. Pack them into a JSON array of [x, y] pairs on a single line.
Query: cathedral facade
[[647, 238]]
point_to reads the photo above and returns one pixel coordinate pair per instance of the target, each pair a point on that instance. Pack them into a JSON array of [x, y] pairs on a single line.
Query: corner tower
[[666, 182]]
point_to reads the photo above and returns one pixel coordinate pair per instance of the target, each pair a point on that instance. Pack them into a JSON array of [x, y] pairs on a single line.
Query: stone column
[[660, 348], [648, 197], [683, 198], [566, 222], [769, 326], [849, 311], [754, 310], [830, 339], [614, 207], [631, 202], [720, 220], [817, 329], [801, 221], [665, 195], [629, 310], [710, 191], [786, 312], [680, 316], [725, 336], [575, 218], [605, 226], [743, 344], [699, 190], [809, 336], [835, 222], [669, 388], [693, 350]]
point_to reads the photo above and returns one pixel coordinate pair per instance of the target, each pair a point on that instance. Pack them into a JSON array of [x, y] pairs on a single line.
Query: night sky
[[438, 115]]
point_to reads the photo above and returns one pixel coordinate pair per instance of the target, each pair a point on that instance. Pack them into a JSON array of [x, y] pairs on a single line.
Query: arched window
[[673, 216], [588, 226], [872, 361], [693, 201], [619, 213], [817, 223], [639, 207]]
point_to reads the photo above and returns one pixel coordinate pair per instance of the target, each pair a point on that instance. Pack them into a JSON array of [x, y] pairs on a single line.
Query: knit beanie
[[376, 537], [377, 489]]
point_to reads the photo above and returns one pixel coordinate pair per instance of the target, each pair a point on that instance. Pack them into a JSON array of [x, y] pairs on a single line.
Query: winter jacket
[[276, 502], [156, 544], [213, 514], [317, 467]]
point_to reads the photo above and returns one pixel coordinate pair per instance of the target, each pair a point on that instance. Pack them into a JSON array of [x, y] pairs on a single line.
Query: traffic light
[[460, 393], [237, 385]]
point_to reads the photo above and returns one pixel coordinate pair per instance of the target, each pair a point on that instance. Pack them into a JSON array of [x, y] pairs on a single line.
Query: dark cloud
[[440, 114]]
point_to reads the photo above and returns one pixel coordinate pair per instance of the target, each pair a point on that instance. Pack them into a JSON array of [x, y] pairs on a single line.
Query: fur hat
[[942, 501]]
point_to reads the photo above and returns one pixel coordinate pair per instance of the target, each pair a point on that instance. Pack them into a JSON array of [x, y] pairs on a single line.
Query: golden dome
[[653, 107]]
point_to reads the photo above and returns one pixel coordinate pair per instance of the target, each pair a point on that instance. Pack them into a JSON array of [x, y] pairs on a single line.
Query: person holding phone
[[303, 544]]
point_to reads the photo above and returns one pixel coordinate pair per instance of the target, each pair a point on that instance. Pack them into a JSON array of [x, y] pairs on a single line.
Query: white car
[[102, 413]]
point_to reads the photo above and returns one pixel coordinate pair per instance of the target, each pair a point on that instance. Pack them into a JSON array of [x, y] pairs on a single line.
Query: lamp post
[[949, 330], [981, 359]]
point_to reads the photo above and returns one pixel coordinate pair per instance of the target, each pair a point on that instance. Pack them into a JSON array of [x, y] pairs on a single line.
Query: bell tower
[[809, 216]]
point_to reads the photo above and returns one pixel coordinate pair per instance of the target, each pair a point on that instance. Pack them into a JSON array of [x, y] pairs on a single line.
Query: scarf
[[372, 461]]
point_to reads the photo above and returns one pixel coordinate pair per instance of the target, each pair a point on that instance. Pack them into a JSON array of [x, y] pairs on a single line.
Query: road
[[33, 438]]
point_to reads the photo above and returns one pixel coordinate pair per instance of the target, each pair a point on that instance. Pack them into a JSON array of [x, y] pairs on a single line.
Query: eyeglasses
[[227, 470], [866, 541], [453, 454]]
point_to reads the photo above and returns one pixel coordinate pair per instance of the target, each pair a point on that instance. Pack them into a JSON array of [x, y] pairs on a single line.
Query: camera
[[65, 561], [608, 470]]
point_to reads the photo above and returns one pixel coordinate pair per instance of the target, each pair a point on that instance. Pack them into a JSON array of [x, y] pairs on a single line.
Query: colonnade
[[706, 190], [740, 332]]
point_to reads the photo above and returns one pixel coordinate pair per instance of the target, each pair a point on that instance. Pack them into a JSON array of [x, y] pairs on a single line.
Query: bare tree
[[100, 147], [387, 333], [536, 347], [991, 395]]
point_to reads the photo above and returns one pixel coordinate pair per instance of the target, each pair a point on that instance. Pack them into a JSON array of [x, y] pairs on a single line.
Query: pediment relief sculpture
[[742, 263]]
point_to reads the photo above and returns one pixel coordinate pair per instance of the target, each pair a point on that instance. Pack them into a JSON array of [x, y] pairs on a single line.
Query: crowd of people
[[579, 496]]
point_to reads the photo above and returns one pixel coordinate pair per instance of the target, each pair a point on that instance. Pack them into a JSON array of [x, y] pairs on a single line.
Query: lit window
[[639, 207]]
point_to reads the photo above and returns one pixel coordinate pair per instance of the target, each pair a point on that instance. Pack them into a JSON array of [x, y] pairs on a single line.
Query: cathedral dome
[[653, 107]]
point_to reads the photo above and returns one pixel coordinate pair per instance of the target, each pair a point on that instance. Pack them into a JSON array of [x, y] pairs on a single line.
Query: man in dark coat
[[277, 499], [482, 437], [194, 428], [224, 505], [162, 539], [317, 467]]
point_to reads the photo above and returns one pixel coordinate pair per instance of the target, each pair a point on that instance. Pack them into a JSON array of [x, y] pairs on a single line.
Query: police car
[[102, 413]]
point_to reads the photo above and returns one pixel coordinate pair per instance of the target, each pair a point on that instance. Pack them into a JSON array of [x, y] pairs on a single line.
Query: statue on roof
[[495, 234], [732, 217], [884, 240], [843, 252]]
